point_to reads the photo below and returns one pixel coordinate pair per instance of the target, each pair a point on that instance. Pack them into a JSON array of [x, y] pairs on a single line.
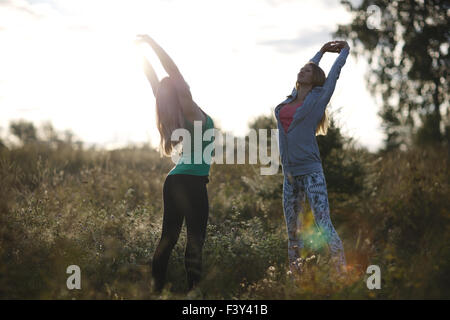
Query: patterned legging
[[295, 190]]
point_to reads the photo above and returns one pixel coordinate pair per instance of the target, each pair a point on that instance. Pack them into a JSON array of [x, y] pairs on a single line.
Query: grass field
[[62, 204]]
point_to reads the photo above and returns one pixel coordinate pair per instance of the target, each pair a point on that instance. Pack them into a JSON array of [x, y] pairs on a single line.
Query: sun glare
[[77, 62]]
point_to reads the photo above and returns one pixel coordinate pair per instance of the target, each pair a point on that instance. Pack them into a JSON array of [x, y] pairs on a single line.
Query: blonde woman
[[300, 118], [184, 193]]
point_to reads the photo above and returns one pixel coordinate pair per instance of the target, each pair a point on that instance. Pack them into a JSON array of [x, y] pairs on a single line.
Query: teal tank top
[[200, 169]]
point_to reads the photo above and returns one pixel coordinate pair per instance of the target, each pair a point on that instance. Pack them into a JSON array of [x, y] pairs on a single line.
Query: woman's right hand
[[143, 38]]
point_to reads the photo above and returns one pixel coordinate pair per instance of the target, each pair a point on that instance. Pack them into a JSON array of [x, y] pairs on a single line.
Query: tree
[[263, 122], [25, 131], [342, 169], [406, 43]]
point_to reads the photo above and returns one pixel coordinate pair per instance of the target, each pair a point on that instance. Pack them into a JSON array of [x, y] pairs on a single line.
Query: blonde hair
[[169, 115], [318, 79]]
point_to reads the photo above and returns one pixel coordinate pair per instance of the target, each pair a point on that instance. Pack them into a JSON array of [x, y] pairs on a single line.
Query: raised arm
[[331, 46], [333, 76], [183, 91], [166, 61], [318, 107], [317, 57], [151, 75]]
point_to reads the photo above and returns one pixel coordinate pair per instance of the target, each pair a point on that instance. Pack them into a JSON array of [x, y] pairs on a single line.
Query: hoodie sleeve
[[317, 57], [330, 83]]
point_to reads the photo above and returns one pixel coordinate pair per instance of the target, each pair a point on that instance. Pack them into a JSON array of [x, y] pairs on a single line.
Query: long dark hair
[[169, 115]]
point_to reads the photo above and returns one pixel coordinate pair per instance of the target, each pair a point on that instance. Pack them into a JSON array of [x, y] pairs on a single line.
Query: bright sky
[[74, 63]]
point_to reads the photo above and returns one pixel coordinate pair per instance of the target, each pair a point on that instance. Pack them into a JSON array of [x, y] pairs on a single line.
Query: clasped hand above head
[[334, 46]]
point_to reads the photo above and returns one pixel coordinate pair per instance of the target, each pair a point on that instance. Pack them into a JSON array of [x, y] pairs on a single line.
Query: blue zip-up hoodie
[[298, 146]]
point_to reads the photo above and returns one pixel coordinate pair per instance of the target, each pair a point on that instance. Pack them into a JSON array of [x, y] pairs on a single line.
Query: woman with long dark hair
[[300, 118], [184, 193]]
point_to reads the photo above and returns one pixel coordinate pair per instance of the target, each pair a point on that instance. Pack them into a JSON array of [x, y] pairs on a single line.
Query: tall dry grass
[[61, 204]]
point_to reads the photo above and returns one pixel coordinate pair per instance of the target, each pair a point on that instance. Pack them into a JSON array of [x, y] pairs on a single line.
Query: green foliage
[[102, 210], [343, 172], [263, 122], [408, 57]]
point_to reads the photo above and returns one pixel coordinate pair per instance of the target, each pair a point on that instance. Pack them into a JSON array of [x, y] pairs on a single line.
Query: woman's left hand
[[341, 44]]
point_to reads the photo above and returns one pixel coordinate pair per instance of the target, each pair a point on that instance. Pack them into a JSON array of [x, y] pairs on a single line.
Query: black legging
[[185, 196]]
